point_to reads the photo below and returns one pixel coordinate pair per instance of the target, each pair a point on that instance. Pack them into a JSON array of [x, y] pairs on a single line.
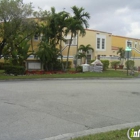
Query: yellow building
[[104, 44]]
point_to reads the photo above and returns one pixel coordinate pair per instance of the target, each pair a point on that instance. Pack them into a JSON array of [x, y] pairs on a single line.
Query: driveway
[[39, 109]]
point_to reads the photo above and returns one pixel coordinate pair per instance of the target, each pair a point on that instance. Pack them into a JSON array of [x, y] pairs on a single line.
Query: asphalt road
[[39, 109]]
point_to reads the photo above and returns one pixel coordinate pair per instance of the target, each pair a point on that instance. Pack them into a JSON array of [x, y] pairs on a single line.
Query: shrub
[[2, 65], [114, 63], [79, 68], [57, 66], [92, 61], [105, 64], [129, 64], [16, 70], [69, 64]]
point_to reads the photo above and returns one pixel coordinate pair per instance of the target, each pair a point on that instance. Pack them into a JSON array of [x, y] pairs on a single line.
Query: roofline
[[126, 37], [98, 31], [113, 35]]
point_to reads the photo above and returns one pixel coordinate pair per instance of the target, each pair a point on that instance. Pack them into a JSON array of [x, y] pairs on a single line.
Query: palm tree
[[76, 24], [72, 28], [83, 17], [85, 50], [81, 55], [121, 53]]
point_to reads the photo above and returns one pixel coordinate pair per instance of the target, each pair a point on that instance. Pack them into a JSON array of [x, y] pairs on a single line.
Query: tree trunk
[[76, 52], [68, 52], [2, 44]]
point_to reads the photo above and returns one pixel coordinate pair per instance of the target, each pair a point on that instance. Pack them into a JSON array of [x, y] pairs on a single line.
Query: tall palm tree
[[76, 24], [72, 27], [85, 50], [83, 17]]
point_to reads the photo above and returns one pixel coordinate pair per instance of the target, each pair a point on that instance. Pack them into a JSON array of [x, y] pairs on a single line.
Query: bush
[[92, 61], [69, 64], [105, 64], [2, 65], [16, 70], [129, 64], [57, 66], [114, 63], [79, 69]]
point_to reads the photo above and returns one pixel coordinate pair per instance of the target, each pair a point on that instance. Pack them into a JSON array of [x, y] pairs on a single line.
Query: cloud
[[120, 17]]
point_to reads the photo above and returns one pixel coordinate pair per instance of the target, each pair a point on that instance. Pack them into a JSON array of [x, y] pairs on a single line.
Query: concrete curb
[[68, 136], [93, 78]]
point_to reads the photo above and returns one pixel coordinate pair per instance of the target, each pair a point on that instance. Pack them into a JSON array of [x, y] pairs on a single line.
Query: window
[[135, 44], [88, 58], [74, 41], [101, 42], [36, 37], [67, 42], [98, 43], [129, 43]]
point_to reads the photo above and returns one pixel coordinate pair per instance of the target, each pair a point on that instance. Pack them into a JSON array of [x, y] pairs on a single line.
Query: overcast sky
[[119, 17]]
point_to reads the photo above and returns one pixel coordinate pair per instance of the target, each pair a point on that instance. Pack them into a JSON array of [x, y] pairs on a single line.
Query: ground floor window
[[88, 58]]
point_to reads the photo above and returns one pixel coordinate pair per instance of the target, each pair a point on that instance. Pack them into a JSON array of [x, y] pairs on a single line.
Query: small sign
[[128, 49]]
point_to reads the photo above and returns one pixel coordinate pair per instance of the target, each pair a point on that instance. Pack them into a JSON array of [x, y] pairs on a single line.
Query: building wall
[[120, 41], [91, 38], [112, 44]]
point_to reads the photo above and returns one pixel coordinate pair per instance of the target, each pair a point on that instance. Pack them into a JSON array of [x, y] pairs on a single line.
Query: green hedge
[[2, 65], [115, 63], [105, 64], [79, 69], [129, 64], [16, 70], [92, 61], [69, 64]]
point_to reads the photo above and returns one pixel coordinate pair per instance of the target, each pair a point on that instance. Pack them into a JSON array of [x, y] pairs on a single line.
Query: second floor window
[[100, 42]]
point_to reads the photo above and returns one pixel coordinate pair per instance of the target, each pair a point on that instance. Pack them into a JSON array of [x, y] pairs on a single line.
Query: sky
[[119, 17]]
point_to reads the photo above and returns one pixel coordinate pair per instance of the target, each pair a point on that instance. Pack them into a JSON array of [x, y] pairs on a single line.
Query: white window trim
[[101, 37], [69, 37], [136, 44], [130, 42]]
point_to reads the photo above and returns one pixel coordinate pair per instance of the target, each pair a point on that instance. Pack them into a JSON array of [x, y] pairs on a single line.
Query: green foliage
[[105, 64], [86, 48], [114, 63], [121, 52], [16, 70], [85, 51], [130, 64], [79, 69], [92, 61], [13, 14], [69, 64], [2, 65], [48, 55]]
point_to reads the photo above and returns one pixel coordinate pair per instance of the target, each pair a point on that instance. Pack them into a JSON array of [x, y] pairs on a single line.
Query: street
[[39, 109]]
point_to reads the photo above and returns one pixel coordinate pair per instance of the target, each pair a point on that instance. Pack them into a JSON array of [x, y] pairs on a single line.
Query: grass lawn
[[112, 135], [107, 74]]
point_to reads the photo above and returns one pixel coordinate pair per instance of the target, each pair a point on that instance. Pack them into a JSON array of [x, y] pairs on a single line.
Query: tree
[[85, 50], [121, 53], [48, 55], [52, 27], [83, 17], [76, 24], [13, 15], [81, 55]]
